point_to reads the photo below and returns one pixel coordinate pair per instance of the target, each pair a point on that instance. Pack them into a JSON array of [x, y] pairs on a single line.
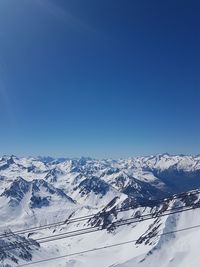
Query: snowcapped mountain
[[40, 191]]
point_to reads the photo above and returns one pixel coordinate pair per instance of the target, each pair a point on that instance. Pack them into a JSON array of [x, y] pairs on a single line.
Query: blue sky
[[105, 78]]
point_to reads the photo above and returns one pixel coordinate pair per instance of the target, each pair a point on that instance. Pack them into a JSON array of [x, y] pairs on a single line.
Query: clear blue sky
[[100, 78]]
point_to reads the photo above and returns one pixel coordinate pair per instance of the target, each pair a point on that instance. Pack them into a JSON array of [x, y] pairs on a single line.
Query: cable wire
[[104, 247], [87, 217], [89, 230]]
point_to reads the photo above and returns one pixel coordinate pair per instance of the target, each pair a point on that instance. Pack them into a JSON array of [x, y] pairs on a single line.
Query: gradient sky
[[107, 78]]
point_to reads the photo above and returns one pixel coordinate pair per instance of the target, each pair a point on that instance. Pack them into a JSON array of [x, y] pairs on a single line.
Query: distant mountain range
[[43, 190]]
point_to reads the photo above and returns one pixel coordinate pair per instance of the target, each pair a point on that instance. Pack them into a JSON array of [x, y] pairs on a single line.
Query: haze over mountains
[[41, 191]]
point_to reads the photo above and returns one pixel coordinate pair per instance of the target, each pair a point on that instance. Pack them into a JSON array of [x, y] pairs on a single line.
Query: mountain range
[[125, 200]]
